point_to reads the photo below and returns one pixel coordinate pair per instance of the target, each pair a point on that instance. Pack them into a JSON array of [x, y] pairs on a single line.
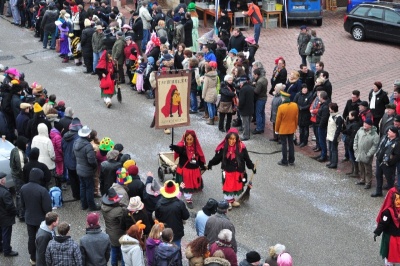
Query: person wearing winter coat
[[49, 26], [146, 20], [132, 245], [34, 163], [225, 245], [62, 250], [86, 44], [136, 187], [86, 165], [134, 212], [37, 202], [335, 126], [303, 100], [179, 32], [172, 211], [43, 143], [226, 105], [68, 141], [224, 26], [168, 253], [21, 122], [276, 101], [119, 56], [237, 41], [246, 105], [352, 126], [365, 145], [38, 117], [253, 258], [217, 259], [279, 74], [202, 216], [112, 213], [209, 93], [307, 76], [293, 84], [387, 119], [378, 99], [138, 30], [260, 93], [44, 235], [197, 250], [322, 123], [151, 195], [302, 41], [195, 31], [311, 57], [152, 242], [7, 216], [108, 171], [188, 28], [56, 140], [94, 245]]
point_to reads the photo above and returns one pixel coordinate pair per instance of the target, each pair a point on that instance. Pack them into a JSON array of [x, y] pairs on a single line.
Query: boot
[[205, 116], [356, 170], [352, 169], [210, 122], [66, 60]]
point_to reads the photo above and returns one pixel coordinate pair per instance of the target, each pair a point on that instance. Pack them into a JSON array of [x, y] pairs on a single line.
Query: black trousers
[[228, 121], [5, 239], [75, 184], [287, 140], [32, 230], [88, 61]]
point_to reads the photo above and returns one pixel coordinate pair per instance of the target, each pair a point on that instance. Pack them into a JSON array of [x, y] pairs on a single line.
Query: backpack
[[317, 47], [56, 197]]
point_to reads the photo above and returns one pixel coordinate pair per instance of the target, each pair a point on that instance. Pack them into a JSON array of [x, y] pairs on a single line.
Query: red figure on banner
[[172, 103]]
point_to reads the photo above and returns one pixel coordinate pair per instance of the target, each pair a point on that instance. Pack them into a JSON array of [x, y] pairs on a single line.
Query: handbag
[[179, 170], [58, 46]]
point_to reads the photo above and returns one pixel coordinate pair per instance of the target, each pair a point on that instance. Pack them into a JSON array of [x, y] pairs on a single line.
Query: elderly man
[[285, 126], [97, 44], [260, 94], [246, 105], [118, 55], [387, 119], [7, 218]]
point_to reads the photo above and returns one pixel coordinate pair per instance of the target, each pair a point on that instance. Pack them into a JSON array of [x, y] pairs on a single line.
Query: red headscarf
[[168, 109], [104, 63], [388, 204], [197, 148], [222, 144]]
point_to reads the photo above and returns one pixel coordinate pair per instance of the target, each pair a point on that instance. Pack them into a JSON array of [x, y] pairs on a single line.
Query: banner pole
[[172, 135]]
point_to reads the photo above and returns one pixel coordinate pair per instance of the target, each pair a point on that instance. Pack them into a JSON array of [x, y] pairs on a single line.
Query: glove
[[209, 166], [171, 147], [375, 235], [254, 170]]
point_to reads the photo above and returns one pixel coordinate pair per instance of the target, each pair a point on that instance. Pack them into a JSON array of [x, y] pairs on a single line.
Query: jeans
[[222, 119], [96, 57], [384, 170], [53, 39], [18, 184], [177, 242], [322, 141], [211, 110], [87, 192], [257, 30], [304, 133], [246, 126], [312, 67], [193, 101], [115, 254], [260, 113], [146, 39], [315, 130], [333, 152], [352, 157], [287, 140], [32, 230], [5, 239]]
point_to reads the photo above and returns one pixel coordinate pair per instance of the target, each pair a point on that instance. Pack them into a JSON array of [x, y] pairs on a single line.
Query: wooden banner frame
[[168, 114]]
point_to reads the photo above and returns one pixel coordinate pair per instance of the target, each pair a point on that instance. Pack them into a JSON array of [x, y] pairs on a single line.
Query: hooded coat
[[50, 16], [168, 255], [18, 158], [35, 199], [7, 208], [86, 163], [216, 261], [151, 246], [34, 163], [45, 146], [237, 42], [63, 251], [43, 237], [108, 174], [56, 139], [209, 93], [95, 247], [365, 145], [131, 251], [215, 224], [22, 122], [68, 141], [112, 218]]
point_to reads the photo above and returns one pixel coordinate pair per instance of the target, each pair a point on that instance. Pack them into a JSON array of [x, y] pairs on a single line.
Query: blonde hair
[[320, 80], [62, 13], [161, 23], [295, 73], [280, 87], [156, 231]]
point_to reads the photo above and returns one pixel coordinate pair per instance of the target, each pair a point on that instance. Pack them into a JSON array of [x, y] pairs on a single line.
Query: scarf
[[373, 99], [231, 154]]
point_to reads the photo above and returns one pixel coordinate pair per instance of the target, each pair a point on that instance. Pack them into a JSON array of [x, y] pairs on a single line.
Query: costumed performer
[[233, 156], [388, 221], [191, 162], [105, 69]]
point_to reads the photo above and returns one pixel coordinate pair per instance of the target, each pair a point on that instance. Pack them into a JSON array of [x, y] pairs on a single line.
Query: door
[[374, 23], [392, 27]]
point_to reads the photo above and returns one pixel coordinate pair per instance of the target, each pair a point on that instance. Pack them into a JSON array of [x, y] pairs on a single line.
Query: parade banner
[[172, 100]]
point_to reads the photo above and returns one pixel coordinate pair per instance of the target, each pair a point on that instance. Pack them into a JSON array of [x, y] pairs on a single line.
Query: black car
[[377, 20]]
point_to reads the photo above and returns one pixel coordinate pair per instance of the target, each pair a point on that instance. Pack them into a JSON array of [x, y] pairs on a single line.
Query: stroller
[[166, 165]]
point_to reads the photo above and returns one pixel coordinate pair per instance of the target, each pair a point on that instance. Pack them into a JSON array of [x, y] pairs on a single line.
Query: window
[[375, 13], [361, 11], [392, 17]]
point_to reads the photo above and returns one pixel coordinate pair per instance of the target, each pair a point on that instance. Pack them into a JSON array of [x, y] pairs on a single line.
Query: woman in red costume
[[389, 224], [105, 70], [233, 156], [172, 103], [191, 162]]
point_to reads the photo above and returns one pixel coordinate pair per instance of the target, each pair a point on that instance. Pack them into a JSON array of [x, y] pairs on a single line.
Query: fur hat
[[23, 106], [106, 144], [135, 204], [37, 108]]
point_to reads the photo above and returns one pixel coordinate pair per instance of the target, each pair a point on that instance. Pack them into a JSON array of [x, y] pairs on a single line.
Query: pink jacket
[[56, 139]]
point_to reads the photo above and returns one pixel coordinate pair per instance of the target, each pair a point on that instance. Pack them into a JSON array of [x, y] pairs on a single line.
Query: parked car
[[353, 3], [377, 20], [5, 151], [305, 10]]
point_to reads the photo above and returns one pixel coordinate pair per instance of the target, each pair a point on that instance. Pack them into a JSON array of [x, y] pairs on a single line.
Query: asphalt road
[[321, 217]]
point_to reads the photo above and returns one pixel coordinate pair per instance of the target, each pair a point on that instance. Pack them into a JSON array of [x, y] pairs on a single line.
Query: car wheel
[[319, 22], [358, 33]]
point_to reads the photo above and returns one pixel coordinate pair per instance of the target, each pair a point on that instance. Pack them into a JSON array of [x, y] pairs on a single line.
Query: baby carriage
[[166, 165]]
